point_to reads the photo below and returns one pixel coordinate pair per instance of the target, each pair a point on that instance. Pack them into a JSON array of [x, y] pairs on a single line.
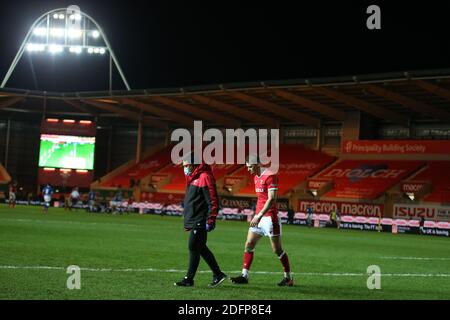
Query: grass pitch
[[139, 257]]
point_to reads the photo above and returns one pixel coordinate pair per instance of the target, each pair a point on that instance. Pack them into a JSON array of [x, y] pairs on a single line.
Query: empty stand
[[367, 179], [148, 165], [178, 183], [438, 173], [297, 163]]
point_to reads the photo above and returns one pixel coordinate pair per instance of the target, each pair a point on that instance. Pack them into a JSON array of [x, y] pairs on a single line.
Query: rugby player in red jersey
[[265, 222]]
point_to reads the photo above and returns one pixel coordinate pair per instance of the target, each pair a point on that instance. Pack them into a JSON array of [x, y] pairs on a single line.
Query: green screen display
[[69, 152]]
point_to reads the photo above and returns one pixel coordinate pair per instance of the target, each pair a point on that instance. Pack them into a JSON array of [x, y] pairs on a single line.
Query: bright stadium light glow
[[57, 32], [40, 31], [35, 47], [75, 17], [54, 48], [66, 30], [74, 33], [95, 34], [75, 49]]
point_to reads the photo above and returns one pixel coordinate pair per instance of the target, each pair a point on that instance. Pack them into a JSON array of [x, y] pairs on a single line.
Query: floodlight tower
[[66, 30]]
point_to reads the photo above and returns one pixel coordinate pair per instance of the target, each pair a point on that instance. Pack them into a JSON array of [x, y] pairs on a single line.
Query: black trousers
[[197, 248]]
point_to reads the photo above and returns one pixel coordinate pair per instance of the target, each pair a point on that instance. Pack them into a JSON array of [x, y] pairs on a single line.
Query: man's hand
[[210, 225], [255, 221]]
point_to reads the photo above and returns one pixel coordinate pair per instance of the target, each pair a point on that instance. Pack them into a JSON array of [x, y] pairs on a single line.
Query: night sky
[[169, 44]]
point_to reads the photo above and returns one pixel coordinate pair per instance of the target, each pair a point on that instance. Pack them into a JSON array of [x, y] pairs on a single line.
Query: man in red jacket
[[200, 212]]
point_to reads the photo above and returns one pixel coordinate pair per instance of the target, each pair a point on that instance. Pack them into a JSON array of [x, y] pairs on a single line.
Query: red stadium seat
[[367, 179], [142, 169], [437, 172], [297, 163]]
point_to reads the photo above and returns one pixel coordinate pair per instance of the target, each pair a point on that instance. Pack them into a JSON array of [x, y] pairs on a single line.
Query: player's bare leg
[[282, 255], [250, 244]]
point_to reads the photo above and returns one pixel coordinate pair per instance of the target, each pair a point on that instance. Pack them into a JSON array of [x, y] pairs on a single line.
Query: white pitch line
[[414, 258], [321, 274], [68, 222]]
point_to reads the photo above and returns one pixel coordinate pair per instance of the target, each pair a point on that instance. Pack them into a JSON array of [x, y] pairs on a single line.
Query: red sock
[[248, 258], [285, 262]]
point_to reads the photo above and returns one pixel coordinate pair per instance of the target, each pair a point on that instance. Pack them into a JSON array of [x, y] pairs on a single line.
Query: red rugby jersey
[[263, 183]]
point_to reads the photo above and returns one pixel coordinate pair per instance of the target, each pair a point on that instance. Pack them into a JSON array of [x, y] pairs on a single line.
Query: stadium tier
[[148, 165], [297, 163], [367, 179], [437, 172], [4, 175], [178, 183]]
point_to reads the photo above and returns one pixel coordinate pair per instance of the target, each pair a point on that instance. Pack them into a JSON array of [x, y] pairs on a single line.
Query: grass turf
[[328, 263]]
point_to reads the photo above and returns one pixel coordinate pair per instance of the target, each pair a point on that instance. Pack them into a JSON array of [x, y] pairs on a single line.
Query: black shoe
[[217, 280], [184, 283], [286, 282], [240, 280]]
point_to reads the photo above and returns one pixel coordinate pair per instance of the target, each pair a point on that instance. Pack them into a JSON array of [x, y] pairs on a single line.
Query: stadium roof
[[398, 98]]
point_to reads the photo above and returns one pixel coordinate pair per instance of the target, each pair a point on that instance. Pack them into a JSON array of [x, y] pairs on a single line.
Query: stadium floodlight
[[74, 33], [57, 32], [75, 17], [70, 30], [40, 31], [95, 34], [54, 48], [75, 49], [35, 47]]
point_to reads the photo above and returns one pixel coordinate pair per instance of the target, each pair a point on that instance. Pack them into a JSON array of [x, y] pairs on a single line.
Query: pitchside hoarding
[[345, 208], [429, 212]]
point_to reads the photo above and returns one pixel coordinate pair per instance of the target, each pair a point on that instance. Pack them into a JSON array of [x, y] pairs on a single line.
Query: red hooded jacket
[[200, 201]]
